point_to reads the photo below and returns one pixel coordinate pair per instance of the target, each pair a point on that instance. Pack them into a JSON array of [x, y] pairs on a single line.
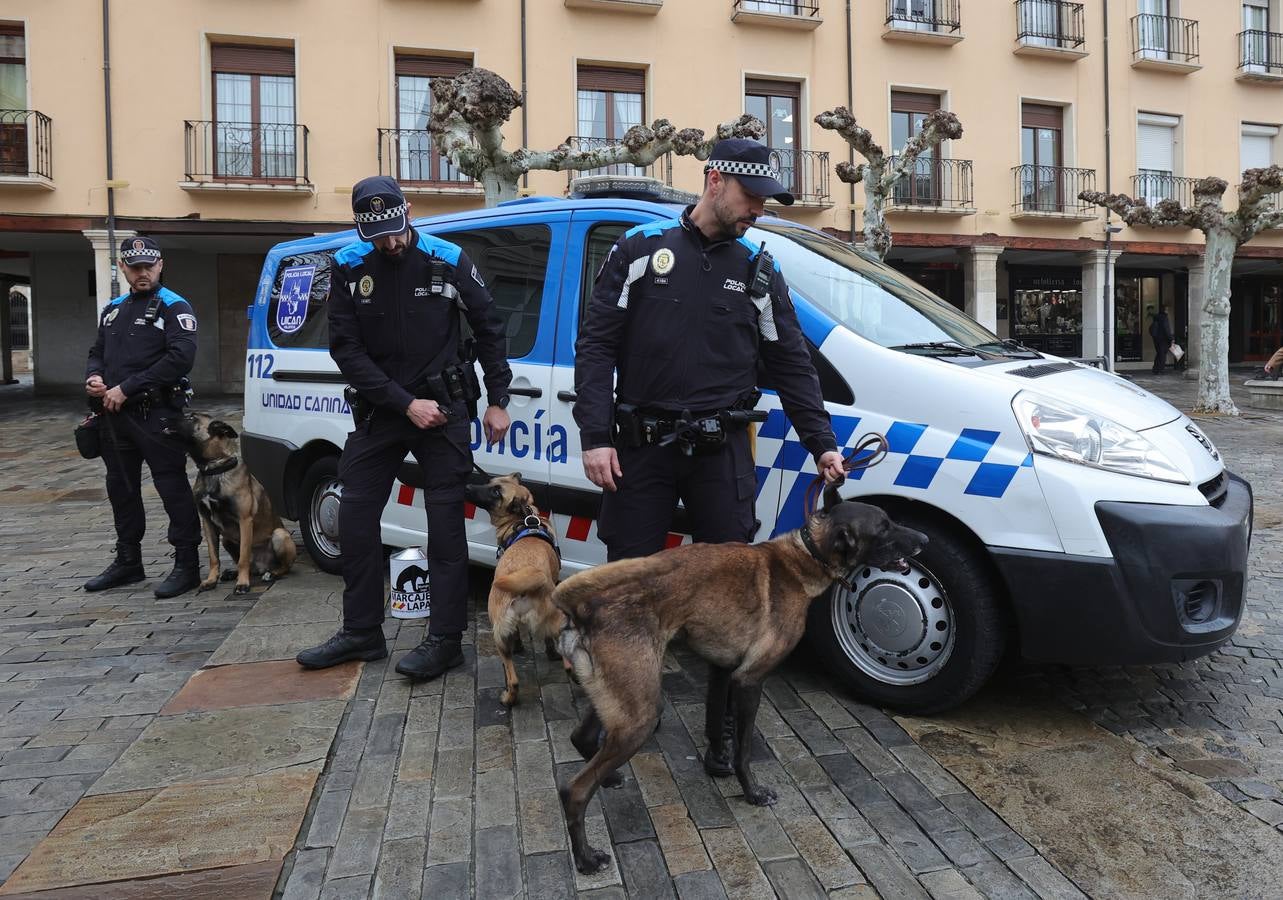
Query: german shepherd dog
[[233, 506], [525, 577], [742, 607]]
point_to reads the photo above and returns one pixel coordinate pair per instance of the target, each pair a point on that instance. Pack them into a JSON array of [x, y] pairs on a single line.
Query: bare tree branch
[[939, 126], [855, 134]]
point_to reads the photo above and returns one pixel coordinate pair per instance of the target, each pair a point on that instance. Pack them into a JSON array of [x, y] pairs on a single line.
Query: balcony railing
[[409, 156], [1050, 23], [924, 15], [661, 168], [1164, 38], [1155, 187], [1052, 189], [266, 153], [935, 183], [806, 174], [1261, 53], [26, 148], [801, 8]]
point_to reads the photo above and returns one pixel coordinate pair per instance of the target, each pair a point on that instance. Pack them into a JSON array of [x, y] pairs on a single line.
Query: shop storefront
[[1136, 299], [1047, 309], [944, 279], [1256, 314]]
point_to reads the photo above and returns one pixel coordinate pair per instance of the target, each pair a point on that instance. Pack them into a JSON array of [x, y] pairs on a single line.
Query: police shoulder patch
[[186, 321], [111, 315], [476, 276]]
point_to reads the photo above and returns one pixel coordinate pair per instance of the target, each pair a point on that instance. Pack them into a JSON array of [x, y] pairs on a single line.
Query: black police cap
[[756, 166], [378, 207], [139, 251]]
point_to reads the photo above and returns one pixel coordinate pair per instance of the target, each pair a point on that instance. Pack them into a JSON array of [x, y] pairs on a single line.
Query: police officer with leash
[[137, 376], [396, 300], [684, 310]]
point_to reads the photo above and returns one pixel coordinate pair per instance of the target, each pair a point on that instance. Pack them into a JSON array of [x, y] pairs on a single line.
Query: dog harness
[[218, 467], [531, 526]]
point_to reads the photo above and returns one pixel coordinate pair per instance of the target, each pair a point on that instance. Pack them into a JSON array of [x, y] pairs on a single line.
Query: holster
[[361, 408]]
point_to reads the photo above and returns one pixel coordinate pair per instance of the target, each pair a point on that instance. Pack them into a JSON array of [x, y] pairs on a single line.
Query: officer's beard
[[730, 225]]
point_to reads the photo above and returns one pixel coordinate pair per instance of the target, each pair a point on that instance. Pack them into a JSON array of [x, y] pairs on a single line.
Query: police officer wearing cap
[[137, 377], [396, 298], [683, 311]]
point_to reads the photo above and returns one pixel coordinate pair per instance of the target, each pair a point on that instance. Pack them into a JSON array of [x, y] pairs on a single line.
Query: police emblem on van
[[296, 289], [365, 285], [661, 261]]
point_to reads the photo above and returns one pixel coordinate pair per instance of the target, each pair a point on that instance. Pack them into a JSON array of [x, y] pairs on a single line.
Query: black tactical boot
[[127, 568], [183, 577], [345, 645], [437, 653], [719, 758]]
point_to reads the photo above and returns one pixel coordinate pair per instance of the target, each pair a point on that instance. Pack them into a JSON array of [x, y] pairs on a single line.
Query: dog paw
[[229, 575], [268, 577], [592, 861], [760, 796], [509, 697], [206, 586], [613, 780], [242, 589]]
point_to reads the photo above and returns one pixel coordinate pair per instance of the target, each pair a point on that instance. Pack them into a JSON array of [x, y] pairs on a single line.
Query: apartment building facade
[[239, 123]]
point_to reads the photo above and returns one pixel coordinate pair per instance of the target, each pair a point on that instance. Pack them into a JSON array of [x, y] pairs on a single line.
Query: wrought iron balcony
[[935, 185], [245, 155], [1164, 42], [649, 7], [926, 18], [1052, 191], [1050, 27], [409, 156], [1260, 55], [1155, 187], [806, 174], [788, 13], [26, 147], [660, 169]]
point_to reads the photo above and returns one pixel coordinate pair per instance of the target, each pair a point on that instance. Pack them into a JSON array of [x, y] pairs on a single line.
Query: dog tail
[[573, 647], [525, 582]]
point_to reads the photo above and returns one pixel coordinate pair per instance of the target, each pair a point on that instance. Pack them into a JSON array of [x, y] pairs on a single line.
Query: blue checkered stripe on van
[[913, 470]]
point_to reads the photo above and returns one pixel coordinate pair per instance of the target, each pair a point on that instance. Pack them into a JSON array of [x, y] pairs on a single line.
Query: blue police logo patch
[[296, 288]]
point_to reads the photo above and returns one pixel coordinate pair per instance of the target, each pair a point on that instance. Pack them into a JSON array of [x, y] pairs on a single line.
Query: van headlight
[[1068, 432]]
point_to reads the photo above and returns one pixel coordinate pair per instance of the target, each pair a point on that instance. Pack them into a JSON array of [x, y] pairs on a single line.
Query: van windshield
[[874, 300]]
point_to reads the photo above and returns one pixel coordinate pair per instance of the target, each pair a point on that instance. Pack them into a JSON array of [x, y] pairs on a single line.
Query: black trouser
[[128, 438], [717, 490], [371, 458], [1160, 353]]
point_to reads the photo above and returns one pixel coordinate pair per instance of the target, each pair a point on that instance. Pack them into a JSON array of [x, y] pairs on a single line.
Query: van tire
[[917, 679], [318, 496]]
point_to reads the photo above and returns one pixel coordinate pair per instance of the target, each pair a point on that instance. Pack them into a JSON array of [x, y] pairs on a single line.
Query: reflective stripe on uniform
[[636, 269]]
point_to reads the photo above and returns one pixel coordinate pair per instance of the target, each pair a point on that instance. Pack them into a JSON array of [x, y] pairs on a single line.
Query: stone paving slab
[[118, 837], [255, 881], [262, 684], [261, 643]]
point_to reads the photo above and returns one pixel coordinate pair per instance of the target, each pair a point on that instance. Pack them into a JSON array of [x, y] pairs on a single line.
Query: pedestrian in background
[[1160, 331], [137, 373]]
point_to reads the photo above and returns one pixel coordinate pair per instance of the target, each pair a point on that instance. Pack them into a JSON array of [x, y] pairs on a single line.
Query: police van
[[1073, 517]]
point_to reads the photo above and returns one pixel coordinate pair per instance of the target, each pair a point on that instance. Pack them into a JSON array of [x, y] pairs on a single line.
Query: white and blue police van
[[1073, 517]]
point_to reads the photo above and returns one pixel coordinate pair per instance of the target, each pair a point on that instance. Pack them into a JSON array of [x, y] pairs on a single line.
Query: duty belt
[[693, 434]]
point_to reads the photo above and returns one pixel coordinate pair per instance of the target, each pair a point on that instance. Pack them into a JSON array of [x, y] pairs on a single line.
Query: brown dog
[[233, 506], [742, 607], [529, 565]]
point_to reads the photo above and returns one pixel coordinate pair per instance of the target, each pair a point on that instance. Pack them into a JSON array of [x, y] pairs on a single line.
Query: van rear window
[[296, 312]]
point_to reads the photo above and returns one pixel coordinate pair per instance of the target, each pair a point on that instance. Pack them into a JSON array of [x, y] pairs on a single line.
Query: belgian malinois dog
[[526, 575], [233, 506], [742, 607]]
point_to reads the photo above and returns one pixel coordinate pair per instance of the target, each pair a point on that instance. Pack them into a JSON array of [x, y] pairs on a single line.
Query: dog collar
[[219, 467], [808, 541], [533, 526]]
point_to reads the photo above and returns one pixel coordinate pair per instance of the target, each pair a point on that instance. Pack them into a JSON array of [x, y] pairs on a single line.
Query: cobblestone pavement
[[436, 790]]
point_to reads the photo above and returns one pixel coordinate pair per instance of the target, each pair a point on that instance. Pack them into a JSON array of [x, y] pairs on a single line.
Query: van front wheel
[[318, 505], [920, 641]]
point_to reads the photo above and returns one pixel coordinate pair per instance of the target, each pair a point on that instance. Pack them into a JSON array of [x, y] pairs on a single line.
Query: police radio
[[759, 274]]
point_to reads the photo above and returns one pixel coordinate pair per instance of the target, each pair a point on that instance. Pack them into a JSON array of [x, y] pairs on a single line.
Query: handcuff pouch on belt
[[695, 436]]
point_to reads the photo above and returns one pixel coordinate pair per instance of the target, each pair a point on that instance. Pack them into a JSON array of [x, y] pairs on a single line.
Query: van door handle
[[526, 391], [568, 396]]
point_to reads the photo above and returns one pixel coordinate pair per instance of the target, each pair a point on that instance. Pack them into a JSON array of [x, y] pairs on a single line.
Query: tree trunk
[[498, 187], [1214, 333], [877, 237]]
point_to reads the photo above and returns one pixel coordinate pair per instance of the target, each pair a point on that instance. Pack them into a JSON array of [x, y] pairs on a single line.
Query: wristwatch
[[501, 402]]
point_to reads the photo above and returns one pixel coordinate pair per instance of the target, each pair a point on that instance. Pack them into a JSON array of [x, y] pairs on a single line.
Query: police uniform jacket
[[388, 329], [671, 311], [134, 354]]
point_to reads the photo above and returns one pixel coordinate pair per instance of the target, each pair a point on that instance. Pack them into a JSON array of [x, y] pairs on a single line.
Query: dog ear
[[221, 429], [831, 496], [516, 476]]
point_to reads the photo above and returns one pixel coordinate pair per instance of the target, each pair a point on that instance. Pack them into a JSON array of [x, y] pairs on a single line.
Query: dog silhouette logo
[[412, 580]]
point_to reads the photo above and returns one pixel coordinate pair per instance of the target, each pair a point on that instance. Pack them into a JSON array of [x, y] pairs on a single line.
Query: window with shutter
[[1041, 157], [254, 121], [417, 158], [13, 97], [609, 101], [921, 186], [1156, 157], [778, 105], [1256, 149]]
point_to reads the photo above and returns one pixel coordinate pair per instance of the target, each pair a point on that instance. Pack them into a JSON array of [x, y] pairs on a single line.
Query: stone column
[[981, 283], [1098, 266], [1197, 291], [102, 265]]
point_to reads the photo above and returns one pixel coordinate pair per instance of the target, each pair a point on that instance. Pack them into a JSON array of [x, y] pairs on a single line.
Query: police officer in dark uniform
[[396, 298], [137, 376], [684, 310]]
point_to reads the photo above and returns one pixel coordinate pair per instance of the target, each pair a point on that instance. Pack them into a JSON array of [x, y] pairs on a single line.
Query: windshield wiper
[[1021, 351], [942, 348]]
